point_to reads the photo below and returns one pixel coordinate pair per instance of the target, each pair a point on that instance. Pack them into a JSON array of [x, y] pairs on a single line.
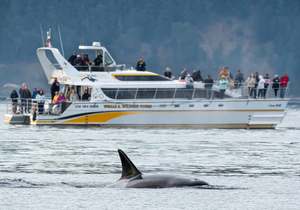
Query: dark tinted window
[[111, 93], [146, 93], [184, 93], [126, 93], [165, 93], [201, 93], [141, 78]]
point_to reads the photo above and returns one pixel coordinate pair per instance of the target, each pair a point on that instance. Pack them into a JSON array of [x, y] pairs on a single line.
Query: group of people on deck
[[83, 61], [257, 84], [27, 99]]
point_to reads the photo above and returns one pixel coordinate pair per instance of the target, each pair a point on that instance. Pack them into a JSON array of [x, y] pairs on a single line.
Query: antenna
[[42, 35], [61, 43]]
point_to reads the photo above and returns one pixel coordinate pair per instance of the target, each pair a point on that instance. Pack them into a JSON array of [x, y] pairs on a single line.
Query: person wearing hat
[[275, 84]]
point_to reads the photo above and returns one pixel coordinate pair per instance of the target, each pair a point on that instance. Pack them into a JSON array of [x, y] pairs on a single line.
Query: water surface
[[71, 167]]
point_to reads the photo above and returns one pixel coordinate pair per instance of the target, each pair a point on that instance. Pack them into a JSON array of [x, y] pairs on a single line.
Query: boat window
[[126, 93], [107, 59], [141, 78], [110, 92], [159, 93], [52, 59], [184, 93], [165, 93], [201, 93], [146, 93]]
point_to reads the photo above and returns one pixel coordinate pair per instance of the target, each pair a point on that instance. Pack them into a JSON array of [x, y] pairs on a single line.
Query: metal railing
[[46, 107], [194, 93], [34, 106]]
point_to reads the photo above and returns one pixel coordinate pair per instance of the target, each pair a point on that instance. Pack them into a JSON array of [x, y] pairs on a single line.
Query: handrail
[[192, 93]]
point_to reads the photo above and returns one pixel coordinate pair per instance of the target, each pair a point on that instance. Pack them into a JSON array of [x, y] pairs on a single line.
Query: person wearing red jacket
[[284, 80]]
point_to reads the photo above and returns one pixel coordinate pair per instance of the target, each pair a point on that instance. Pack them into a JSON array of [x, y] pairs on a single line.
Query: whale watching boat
[[120, 96]]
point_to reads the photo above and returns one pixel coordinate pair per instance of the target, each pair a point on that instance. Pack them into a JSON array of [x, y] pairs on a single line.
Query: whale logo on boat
[[132, 178], [90, 77]]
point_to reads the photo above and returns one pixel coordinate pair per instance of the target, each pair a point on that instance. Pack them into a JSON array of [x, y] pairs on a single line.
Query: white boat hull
[[186, 113]]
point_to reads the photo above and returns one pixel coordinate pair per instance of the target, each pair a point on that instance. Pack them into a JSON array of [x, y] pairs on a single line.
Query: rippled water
[[71, 167]]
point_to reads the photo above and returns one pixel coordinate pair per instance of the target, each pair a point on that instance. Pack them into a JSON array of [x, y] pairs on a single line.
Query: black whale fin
[[128, 168]]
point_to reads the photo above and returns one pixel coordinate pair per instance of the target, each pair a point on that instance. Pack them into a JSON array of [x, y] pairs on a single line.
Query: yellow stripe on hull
[[97, 118]]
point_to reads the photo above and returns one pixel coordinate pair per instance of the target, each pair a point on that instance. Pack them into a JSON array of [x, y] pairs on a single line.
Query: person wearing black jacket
[[25, 96], [14, 100], [141, 65], [196, 75], [54, 88], [276, 84]]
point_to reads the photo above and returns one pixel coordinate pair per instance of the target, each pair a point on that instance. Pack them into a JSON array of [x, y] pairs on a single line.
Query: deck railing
[[194, 93], [44, 106]]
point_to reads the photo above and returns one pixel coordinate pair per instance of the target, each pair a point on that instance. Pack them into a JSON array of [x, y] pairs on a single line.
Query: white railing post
[[136, 92], [155, 93], [116, 96], [194, 90], [174, 93]]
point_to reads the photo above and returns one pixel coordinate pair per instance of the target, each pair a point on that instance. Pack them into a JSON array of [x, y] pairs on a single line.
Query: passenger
[[223, 84], [79, 61], [267, 84], [224, 71], [183, 74], [208, 84], [141, 65], [196, 75], [34, 92], [256, 76], [284, 80], [261, 87], [86, 59], [55, 98], [40, 97], [54, 87], [72, 59], [276, 84], [14, 100], [239, 79], [86, 96], [250, 82], [25, 96], [98, 60], [189, 81], [168, 73], [58, 102], [72, 95]]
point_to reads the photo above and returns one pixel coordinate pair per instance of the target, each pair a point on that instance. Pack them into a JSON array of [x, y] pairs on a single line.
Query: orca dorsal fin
[[128, 168]]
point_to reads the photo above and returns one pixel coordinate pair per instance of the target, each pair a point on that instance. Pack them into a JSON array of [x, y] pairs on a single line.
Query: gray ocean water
[[71, 167]]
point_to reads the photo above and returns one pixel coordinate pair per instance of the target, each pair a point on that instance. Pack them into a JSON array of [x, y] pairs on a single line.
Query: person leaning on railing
[[223, 84]]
